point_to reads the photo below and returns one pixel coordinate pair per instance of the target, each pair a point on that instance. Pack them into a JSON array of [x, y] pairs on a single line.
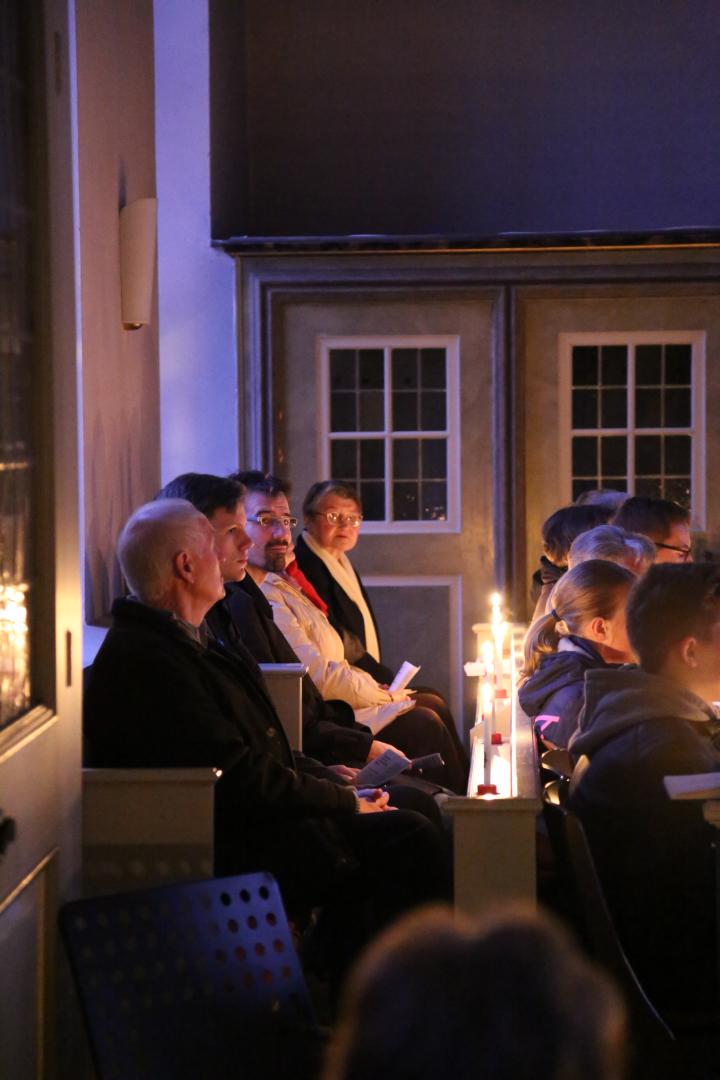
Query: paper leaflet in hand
[[376, 717], [389, 765], [406, 673]]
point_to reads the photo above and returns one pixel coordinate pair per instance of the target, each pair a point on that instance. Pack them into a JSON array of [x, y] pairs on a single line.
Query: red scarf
[[293, 571]]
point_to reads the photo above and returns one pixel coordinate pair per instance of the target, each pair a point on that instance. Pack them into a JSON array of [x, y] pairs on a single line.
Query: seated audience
[[639, 725], [584, 629], [426, 728], [665, 522], [161, 694], [558, 533], [508, 998], [613, 544]]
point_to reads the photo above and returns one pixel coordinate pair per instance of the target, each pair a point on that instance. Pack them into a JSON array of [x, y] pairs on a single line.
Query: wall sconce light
[[138, 238]]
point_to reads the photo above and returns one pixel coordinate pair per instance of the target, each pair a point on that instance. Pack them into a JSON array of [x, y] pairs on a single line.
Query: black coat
[[343, 612]]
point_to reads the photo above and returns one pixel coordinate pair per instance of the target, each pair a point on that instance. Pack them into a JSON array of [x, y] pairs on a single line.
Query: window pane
[[343, 460], [405, 502], [342, 369], [614, 365], [432, 368], [372, 459], [648, 365], [405, 459], [615, 483], [432, 411], [372, 414], [613, 455], [677, 455], [647, 455], [648, 408], [373, 501], [434, 501], [678, 488], [677, 408], [343, 414], [582, 485], [370, 369], [405, 411], [434, 459], [585, 409], [678, 365], [648, 486], [585, 365], [404, 369], [584, 456], [614, 408]]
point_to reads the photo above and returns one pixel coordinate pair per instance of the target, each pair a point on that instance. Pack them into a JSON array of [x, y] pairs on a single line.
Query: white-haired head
[[613, 544], [151, 539]]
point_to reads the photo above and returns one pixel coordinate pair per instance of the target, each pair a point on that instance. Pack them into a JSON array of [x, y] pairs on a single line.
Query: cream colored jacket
[[318, 645]]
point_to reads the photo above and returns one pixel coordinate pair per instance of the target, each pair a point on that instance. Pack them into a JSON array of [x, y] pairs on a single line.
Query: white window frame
[[697, 340], [451, 433]]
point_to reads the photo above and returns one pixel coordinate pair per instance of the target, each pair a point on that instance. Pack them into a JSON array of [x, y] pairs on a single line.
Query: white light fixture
[[138, 233]]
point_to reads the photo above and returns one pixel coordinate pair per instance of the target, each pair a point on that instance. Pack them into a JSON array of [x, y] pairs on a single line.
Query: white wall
[[198, 367]]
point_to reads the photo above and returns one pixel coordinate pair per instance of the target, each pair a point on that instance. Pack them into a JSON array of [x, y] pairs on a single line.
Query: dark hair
[[671, 602], [207, 493], [651, 517], [512, 997], [561, 528], [592, 589], [257, 480], [322, 488]]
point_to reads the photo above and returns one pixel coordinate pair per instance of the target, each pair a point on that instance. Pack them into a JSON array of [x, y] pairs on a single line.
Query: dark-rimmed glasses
[[685, 552]]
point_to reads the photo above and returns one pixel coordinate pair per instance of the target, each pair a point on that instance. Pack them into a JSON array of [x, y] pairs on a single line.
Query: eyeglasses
[[684, 551], [267, 521], [333, 518]]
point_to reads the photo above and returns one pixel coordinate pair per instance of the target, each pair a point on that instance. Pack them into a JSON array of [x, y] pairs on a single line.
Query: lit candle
[[488, 710], [498, 632]]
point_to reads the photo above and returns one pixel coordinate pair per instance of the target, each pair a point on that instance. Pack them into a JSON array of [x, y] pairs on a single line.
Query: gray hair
[[151, 539], [613, 544]]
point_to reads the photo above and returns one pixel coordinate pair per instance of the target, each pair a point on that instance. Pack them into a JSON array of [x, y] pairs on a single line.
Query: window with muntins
[[389, 427], [634, 408]]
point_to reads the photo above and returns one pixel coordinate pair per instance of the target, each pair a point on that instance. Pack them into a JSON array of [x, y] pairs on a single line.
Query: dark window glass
[[648, 365], [677, 408], [432, 367], [613, 455], [405, 411], [585, 409], [647, 455], [373, 501], [405, 501], [678, 365], [614, 365], [585, 365], [432, 411], [582, 485], [372, 459], [677, 454], [434, 459], [615, 483], [614, 408], [343, 459], [372, 414], [343, 411], [405, 459], [649, 486], [434, 501], [648, 408], [404, 369], [342, 369], [584, 456], [678, 488], [370, 369]]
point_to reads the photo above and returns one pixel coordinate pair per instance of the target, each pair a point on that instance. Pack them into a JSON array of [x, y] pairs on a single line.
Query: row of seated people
[[628, 663], [177, 683]]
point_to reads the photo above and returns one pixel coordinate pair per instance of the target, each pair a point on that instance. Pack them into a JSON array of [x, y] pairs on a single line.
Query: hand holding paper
[[405, 675]]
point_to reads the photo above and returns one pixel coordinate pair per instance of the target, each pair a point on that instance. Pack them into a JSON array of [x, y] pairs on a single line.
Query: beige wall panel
[[544, 315], [119, 367]]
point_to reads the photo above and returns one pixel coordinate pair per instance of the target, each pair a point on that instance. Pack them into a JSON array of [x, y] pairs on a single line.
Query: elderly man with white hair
[[160, 693]]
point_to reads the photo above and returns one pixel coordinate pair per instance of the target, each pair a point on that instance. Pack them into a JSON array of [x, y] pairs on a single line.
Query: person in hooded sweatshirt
[[653, 854], [584, 629]]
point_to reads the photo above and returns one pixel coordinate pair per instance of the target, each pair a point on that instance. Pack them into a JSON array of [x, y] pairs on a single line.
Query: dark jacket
[[156, 698], [653, 854], [343, 612], [330, 731], [557, 688]]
